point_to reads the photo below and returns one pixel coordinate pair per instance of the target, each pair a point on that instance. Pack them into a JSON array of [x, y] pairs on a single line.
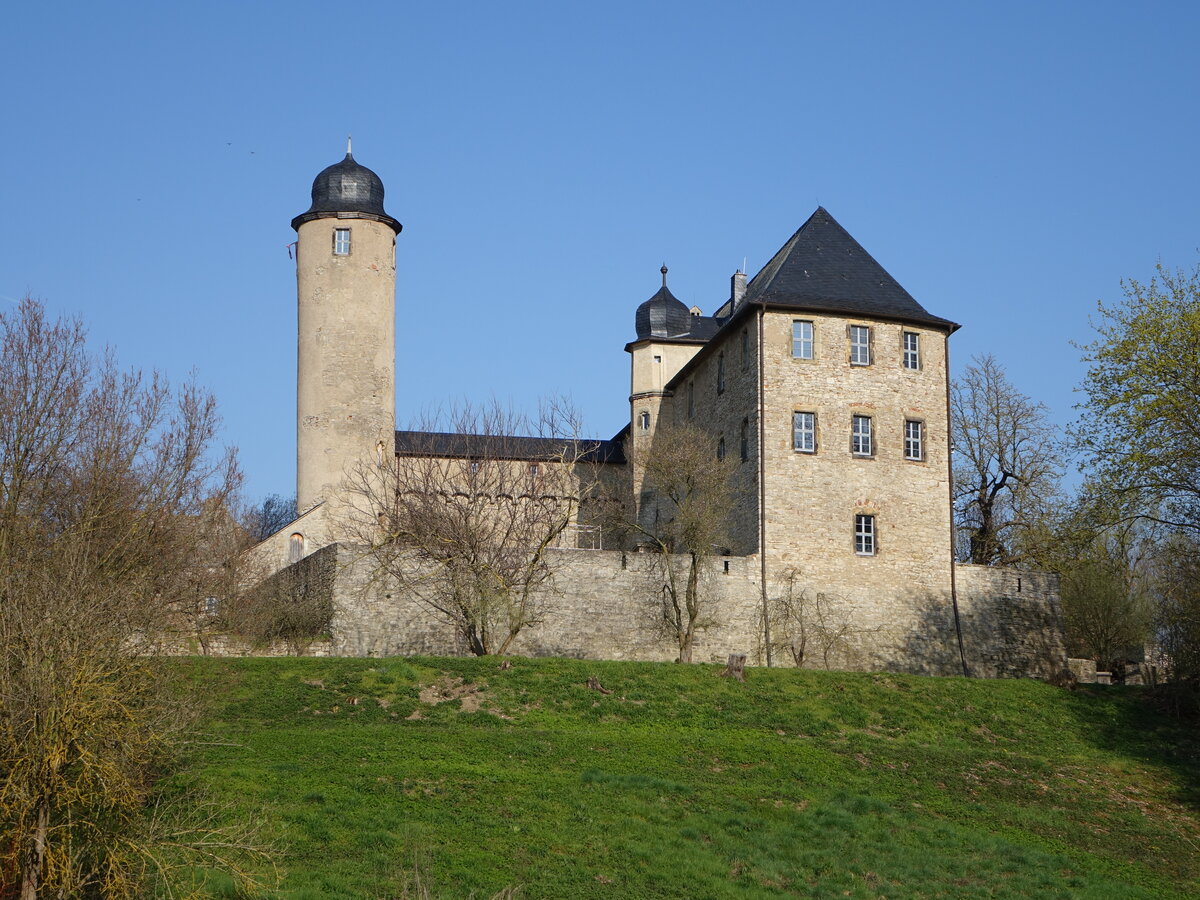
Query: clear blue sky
[[1007, 163]]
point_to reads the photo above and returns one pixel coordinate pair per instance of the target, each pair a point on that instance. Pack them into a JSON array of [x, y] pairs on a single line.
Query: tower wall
[[812, 498], [346, 354], [652, 365]]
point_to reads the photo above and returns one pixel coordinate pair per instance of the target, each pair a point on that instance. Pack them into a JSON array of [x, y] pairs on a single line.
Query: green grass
[[683, 784]]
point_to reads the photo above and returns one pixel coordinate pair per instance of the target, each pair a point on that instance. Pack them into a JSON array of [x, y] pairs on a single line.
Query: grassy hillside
[[683, 784]]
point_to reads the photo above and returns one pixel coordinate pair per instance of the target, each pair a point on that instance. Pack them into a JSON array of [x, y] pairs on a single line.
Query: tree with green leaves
[[1140, 426]]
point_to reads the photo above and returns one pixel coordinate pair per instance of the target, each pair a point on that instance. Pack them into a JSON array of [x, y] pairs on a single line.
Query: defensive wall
[[609, 604]]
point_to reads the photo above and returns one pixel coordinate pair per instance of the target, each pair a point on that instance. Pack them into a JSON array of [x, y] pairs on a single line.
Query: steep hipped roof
[[454, 445], [822, 268]]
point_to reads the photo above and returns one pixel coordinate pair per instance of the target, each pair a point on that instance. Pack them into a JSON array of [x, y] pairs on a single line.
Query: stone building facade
[[821, 378]]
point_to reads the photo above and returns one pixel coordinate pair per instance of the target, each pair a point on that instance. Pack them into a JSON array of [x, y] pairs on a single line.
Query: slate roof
[[348, 188], [454, 445], [665, 317], [823, 269]]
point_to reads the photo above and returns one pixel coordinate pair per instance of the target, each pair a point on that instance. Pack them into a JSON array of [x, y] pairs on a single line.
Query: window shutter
[[870, 345]]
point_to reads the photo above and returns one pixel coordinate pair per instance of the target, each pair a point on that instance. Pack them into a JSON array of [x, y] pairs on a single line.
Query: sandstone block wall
[[1011, 621], [601, 604], [812, 498], [609, 605], [722, 414], [346, 382]]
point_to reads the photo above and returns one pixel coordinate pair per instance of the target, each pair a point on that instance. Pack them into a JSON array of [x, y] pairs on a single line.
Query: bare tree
[[273, 513], [1007, 462], [807, 624], [463, 517], [687, 482], [109, 487]]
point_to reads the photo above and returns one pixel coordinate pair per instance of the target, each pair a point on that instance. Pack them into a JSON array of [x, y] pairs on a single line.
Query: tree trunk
[[31, 865], [736, 667]]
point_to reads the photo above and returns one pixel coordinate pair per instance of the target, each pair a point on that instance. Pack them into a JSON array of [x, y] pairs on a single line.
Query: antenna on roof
[[348, 151]]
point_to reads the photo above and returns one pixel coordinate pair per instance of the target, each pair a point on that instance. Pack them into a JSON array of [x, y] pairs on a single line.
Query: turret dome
[[349, 190], [663, 315]]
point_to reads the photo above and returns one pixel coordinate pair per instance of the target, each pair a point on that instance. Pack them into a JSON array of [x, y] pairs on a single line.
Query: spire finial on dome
[[349, 152], [664, 274]]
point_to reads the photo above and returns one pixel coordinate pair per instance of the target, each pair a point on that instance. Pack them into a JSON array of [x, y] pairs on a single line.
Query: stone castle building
[[821, 378]]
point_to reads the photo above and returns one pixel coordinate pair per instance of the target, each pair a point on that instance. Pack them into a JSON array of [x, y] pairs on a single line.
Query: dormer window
[[341, 242]]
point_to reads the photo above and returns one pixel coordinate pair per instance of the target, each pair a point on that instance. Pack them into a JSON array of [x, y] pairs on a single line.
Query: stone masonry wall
[[1011, 622], [608, 605], [602, 604], [722, 413]]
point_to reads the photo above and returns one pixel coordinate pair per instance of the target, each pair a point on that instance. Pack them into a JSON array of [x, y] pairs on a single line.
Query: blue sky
[[1007, 163]]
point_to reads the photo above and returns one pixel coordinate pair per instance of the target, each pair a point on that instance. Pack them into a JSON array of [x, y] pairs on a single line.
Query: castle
[[821, 378]]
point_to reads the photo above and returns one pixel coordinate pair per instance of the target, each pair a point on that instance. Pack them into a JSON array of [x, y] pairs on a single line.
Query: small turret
[[663, 315]]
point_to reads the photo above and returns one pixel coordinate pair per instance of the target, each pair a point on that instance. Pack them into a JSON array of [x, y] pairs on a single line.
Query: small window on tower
[[341, 242], [644, 420]]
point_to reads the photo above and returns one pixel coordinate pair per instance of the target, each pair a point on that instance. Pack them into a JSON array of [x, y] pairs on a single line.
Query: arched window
[[644, 420], [296, 547]]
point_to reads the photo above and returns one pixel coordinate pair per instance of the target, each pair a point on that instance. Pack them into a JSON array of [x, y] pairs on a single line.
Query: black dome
[[347, 187], [663, 315]]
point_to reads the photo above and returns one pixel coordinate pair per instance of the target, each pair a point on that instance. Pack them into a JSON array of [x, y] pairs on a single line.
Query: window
[[212, 605], [691, 399], [860, 436], [533, 470], [296, 547], [912, 350], [721, 448], [644, 420], [802, 340], [474, 467], [341, 242], [864, 535], [745, 348], [860, 345], [804, 432], [914, 440], [657, 360], [745, 439], [720, 373]]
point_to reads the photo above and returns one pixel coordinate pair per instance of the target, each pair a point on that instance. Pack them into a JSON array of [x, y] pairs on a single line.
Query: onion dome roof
[[663, 315], [347, 190]]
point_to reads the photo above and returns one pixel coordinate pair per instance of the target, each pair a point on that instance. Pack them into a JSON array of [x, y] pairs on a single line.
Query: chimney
[[737, 288]]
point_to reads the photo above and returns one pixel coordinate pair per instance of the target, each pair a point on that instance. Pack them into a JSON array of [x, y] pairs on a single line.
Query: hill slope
[[683, 784]]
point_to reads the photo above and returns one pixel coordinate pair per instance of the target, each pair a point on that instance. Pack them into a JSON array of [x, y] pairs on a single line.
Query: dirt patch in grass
[[472, 697]]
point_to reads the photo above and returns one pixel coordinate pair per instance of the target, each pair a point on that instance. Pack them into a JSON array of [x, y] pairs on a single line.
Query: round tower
[[346, 359]]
